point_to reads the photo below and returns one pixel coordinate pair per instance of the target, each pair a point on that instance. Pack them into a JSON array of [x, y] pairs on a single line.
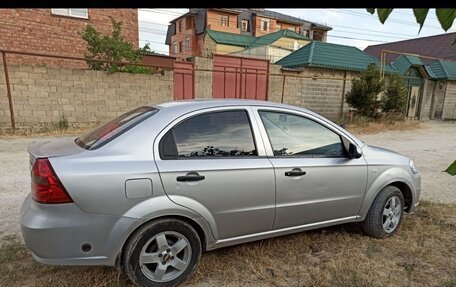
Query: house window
[[73, 12], [224, 20], [180, 26], [174, 48], [291, 28], [181, 48], [265, 23], [187, 43], [245, 25], [279, 27]]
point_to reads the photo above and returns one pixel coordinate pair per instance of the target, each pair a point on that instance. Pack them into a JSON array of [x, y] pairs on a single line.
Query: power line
[[382, 36], [398, 21], [375, 31], [351, 38]]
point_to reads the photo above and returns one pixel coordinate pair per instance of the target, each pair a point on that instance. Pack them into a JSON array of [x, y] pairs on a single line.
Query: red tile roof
[[439, 46]]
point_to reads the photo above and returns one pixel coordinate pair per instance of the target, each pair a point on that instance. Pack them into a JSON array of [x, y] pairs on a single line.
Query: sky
[[353, 27]]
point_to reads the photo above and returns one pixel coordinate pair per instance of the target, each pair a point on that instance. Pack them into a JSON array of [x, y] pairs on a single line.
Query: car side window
[[293, 135], [215, 134]]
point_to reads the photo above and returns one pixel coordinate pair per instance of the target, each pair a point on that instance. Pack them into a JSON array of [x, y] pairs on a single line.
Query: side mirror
[[354, 151]]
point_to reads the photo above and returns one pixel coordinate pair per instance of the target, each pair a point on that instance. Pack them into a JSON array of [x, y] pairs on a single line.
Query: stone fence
[[44, 96]]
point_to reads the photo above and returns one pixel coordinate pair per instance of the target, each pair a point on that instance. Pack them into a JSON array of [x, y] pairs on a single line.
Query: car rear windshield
[[107, 132]]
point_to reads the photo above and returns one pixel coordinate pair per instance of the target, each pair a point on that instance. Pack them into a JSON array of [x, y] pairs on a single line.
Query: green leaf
[[420, 16], [451, 169], [371, 10], [446, 17], [383, 14]]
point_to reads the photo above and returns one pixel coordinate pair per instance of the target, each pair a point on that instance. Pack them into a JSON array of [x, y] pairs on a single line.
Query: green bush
[[395, 98], [63, 123], [113, 48], [364, 92]]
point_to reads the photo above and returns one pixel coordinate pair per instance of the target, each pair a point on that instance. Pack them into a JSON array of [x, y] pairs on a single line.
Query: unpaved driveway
[[432, 148]]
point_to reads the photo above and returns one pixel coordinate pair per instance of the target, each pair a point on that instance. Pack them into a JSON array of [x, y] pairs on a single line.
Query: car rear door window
[[293, 135], [210, 135]]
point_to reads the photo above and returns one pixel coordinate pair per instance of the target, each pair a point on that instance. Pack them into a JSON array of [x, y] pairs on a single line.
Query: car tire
[[385, 214], [165, 244]]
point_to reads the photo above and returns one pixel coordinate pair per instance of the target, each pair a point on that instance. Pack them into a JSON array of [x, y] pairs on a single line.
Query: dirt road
[[433, 148]]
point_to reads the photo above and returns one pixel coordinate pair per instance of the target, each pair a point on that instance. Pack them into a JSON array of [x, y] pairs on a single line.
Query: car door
[[316, 180], [213, 161]]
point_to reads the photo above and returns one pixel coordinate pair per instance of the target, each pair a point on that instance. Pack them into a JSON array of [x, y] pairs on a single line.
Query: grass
[[422, 253], [381, 126], [57, 130]]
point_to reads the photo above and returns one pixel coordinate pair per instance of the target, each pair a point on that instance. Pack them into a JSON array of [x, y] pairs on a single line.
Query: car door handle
[[191, 176], [295, 172]]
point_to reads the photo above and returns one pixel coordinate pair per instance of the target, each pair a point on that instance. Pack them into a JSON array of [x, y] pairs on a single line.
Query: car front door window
[[293, 135], [316, 181]]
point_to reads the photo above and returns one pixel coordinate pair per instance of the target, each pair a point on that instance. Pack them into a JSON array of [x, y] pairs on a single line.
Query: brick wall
[[37, 30], [43, 95], [449, 106], [213, 22], [180, 37]]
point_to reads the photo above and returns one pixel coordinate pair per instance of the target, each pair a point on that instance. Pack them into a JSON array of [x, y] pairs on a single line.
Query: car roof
[[196, 104]]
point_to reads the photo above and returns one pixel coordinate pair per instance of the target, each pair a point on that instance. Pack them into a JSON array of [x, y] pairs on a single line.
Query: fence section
[[40, 97]]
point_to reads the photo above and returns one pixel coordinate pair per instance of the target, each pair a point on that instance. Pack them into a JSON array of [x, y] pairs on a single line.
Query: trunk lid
[[53, 148]]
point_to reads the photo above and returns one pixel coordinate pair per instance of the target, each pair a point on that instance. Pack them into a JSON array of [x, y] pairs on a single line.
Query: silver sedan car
[[150, 190]]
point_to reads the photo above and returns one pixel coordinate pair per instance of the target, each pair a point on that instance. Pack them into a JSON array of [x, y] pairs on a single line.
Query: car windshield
[[105, 133]]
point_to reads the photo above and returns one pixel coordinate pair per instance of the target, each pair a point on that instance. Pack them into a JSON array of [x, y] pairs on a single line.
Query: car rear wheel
[[162, 253], [385, 215]]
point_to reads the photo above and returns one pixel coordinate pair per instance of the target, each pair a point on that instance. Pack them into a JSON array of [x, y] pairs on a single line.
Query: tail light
[[46, 186]]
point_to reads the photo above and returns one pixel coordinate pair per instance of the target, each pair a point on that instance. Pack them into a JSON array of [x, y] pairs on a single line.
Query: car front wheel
[[385, 214], [162, 253]]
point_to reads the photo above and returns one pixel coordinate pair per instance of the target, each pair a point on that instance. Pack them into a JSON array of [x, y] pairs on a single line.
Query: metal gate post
[[283, 88], [8, 90]]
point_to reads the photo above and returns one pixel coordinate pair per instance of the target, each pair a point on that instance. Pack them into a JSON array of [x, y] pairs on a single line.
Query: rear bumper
[[55, 234]]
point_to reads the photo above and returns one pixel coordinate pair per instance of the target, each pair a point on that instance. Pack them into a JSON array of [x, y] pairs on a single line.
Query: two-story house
[[186, 34]]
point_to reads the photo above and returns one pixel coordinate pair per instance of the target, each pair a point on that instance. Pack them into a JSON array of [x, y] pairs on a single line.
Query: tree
[[363, 95], [446, 18], [112, 48], [395, 98]]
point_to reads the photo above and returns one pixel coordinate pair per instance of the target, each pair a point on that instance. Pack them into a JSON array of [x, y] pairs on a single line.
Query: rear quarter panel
[[96, 179]]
